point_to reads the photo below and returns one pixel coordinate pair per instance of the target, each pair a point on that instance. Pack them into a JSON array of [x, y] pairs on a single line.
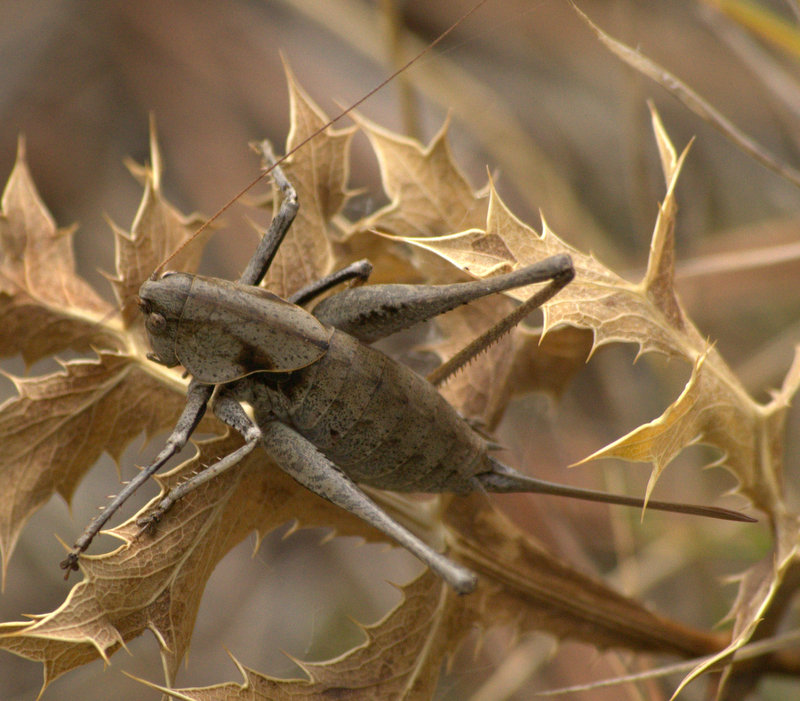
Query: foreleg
[[271, 241], [229, 411], [197, 398]]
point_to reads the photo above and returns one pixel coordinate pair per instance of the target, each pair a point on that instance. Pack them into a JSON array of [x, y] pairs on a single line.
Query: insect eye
[[155, 323]]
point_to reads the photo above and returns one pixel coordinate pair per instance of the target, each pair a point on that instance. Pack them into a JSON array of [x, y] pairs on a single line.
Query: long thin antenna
[[344, 113]]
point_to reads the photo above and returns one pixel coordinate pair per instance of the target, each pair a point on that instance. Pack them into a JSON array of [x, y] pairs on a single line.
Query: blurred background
[[563, 126]]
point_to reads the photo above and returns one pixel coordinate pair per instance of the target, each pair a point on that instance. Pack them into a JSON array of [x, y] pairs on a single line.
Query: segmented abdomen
[[380, 422]]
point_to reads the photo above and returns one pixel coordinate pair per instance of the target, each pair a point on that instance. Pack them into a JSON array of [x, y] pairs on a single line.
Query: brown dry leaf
[[401, 655], [44, 306], [525, 587], [140, 587], [430, 197], [60, 424], [429, 194], [399, 658], [155, 583], [306, 253], [647, 314], [599, 302], [93, 405], [158, 230]]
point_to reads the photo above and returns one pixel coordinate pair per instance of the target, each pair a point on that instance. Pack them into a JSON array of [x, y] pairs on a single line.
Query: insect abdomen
[[380, 422]]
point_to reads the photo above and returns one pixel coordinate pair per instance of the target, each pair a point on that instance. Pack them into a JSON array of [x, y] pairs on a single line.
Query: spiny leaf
[[714, 408], [399, 658], [429, 193], [770, 579], [711, 411], [525, 587], [158, 230], [648, 314], [60, 424], [44, 306], [156, 582], [319, 175], [430, 196]]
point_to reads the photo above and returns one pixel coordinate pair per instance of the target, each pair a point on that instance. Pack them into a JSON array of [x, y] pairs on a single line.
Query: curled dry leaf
[[138, 586]]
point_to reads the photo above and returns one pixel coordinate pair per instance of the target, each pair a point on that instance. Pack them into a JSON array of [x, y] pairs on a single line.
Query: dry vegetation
[[564, 127]]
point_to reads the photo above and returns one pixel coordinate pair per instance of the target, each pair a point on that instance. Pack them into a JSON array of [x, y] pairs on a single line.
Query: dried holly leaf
[[612, 309], [44, 306], [766, 588], [431, 197], [306, 253], [524, 586], [710, 410], [399, 659], [714, 408], [156, 582], [429, 194], [401, 654], [158, 231], [61, 423]]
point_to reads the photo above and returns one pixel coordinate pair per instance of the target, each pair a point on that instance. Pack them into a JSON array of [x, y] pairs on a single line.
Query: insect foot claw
[[147, 524], [465, 583], [70, 562]]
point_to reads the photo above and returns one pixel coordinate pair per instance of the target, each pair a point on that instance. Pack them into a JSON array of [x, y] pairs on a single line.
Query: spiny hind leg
[[301, 460], [375, 311]]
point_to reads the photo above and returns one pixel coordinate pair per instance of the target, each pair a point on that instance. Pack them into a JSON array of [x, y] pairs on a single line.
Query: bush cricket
[[329, 409]]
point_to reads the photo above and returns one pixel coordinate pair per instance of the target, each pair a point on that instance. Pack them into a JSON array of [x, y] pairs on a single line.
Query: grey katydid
[[328, 408]]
